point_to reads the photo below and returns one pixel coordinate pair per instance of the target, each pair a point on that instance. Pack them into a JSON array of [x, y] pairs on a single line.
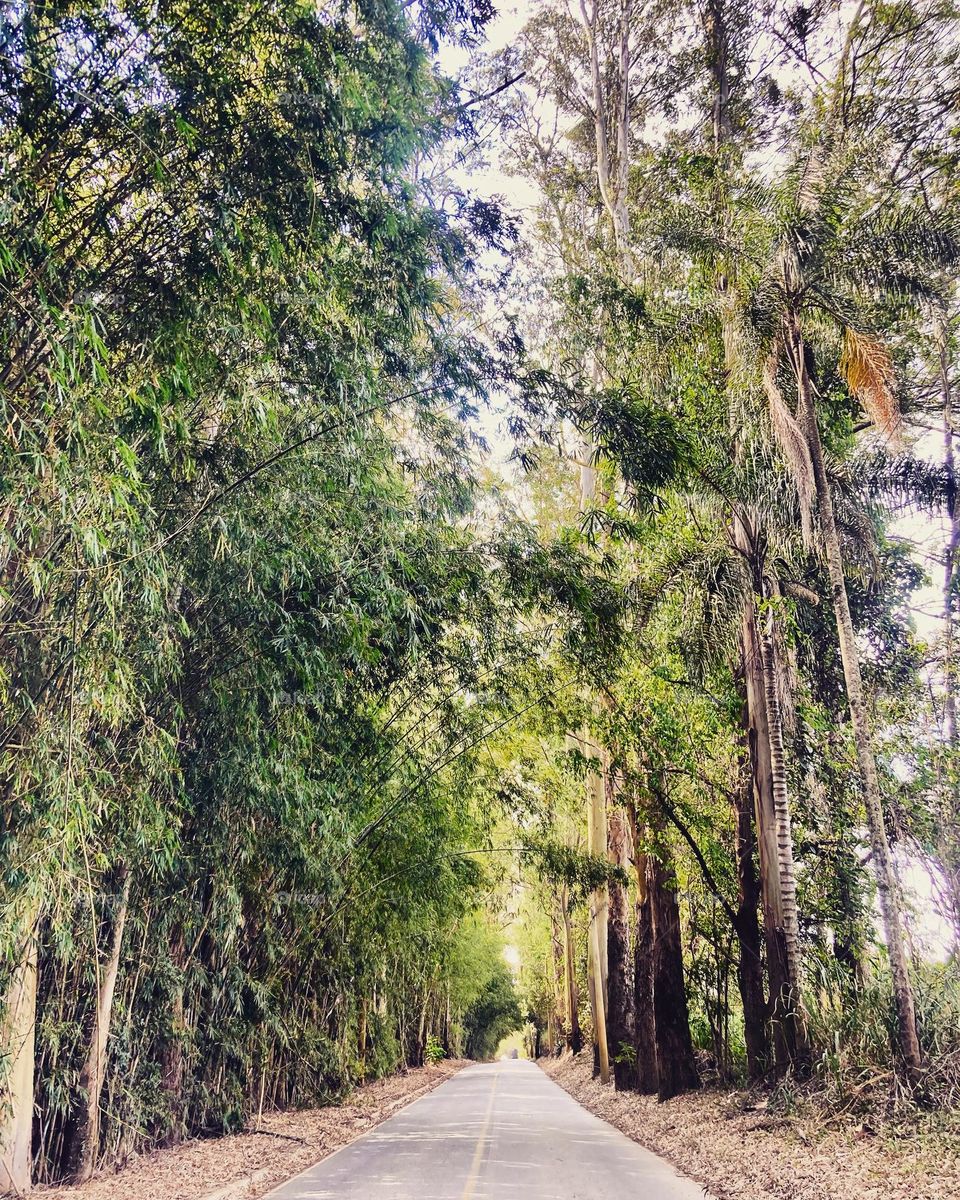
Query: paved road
[[502, 1131]]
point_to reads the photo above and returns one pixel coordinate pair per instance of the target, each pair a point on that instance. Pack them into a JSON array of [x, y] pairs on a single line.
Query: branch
[[708, 875], [485, 96]]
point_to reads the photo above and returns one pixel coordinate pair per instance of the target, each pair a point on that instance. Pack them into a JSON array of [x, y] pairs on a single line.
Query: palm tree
[[826, 260]]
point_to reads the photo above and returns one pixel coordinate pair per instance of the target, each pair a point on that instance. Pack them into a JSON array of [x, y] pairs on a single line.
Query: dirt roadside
[[245, 1166], [747, 1153]]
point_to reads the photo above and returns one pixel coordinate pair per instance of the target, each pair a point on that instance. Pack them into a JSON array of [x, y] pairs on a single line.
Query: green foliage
[[434, 1051], [494, 1014], [580, 873], [854, 1025]]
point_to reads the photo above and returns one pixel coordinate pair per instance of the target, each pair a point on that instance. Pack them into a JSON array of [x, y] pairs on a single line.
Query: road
[[498, 1131]]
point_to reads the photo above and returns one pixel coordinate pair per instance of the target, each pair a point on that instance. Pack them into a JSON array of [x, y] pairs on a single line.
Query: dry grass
[[247, 1165], [742, 1149]]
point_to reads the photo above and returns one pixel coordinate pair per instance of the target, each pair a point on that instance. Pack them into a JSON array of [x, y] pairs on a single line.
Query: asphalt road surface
[[502, 1131]]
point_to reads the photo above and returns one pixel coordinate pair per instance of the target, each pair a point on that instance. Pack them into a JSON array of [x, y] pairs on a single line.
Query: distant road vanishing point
[[498, 1131]]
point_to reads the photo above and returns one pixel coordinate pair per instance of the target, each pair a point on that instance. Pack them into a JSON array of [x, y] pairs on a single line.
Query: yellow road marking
[[481, 1139]]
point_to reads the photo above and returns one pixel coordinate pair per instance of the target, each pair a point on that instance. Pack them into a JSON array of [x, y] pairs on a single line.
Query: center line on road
[[478, 1153]]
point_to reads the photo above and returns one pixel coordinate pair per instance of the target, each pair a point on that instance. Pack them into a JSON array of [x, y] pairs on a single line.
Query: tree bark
[[574, 1036], [612, 177], [887, 887], [171, 1054], [793, 1010], [779, 1011], [750, 966], [620, 1022], [555, 965], [949, 835], [676, 1066], [598, 1001], [17, 1040], [551, 1007], [597, 933], [644, 1029], [745, 538], [85, 1143]]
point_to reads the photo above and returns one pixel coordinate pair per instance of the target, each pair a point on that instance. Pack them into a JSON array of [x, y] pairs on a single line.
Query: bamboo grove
[[304, 702], [250, 620]]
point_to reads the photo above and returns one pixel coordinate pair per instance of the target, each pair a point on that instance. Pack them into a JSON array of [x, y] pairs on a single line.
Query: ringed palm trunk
[[758, 737], [781, 804], [750, 966], [756, 725], [887, 885]]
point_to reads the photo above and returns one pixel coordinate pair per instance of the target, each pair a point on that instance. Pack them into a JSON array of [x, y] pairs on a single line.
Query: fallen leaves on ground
[[738, 1151]]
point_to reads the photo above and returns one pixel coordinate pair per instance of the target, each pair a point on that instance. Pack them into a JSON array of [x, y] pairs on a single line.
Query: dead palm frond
[[867, 368], [792, 442]]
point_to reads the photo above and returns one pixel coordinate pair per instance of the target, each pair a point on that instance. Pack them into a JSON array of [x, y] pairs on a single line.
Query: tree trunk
[[555, 960], [953, 540], [949, 833], [574, 1036], [788, 880], [676, 1066], [887, 887], [171, 1053], [551, 1007], [644, 1029], [758, 735], [17, 1039], [362, 1034], [612, 176], [598, 1000], [620, 1031], [750, 966], [755, 712], [597, 939], [85, 1143]]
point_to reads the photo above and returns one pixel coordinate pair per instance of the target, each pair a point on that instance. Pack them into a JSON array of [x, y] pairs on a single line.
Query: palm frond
[[900, 481], [867, 368], [792, 442]]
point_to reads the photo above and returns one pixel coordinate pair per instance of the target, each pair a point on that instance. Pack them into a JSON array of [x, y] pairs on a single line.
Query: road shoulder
[[740, 1150]]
